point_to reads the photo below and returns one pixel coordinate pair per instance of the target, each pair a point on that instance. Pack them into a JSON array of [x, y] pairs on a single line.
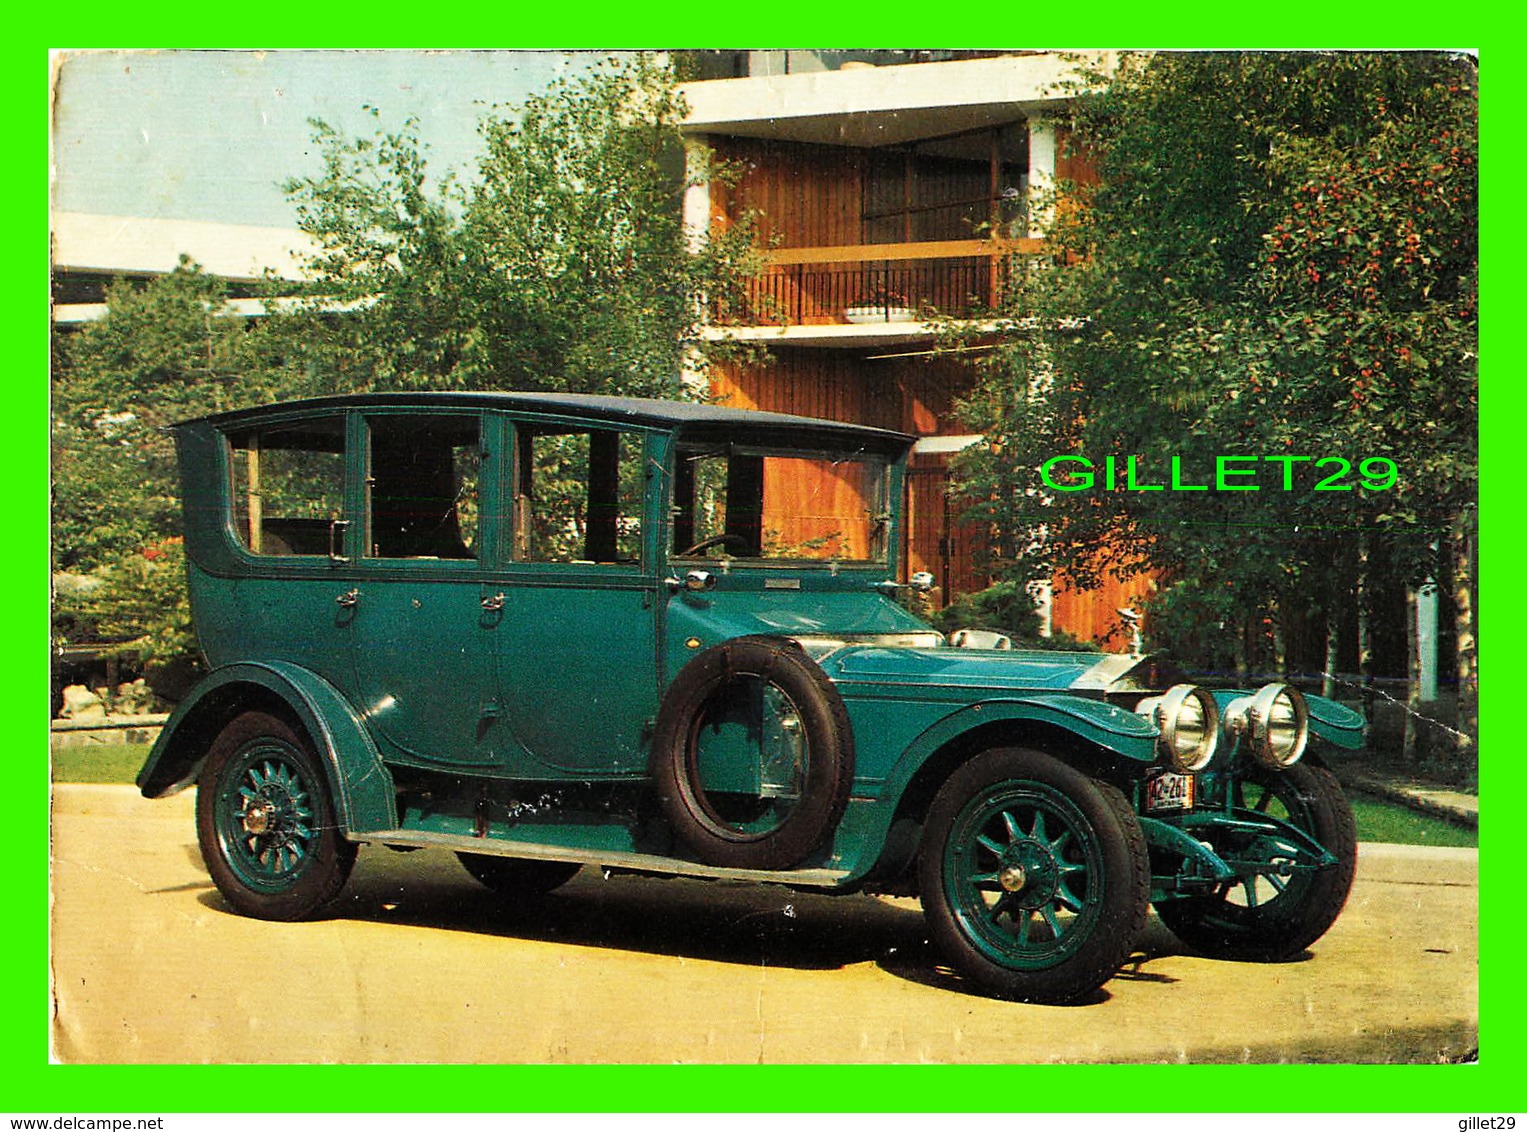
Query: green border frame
[[36, 1086]]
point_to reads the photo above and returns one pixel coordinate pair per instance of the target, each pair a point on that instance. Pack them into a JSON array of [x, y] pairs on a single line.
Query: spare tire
[[753, 755]]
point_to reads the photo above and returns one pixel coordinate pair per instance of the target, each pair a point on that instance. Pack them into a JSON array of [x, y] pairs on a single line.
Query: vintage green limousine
[[548, 631]]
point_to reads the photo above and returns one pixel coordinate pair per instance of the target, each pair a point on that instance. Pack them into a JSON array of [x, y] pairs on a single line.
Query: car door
[[425, 614], [578, 647]]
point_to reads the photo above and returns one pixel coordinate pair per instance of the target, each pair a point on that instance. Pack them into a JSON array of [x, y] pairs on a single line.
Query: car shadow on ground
[[738, 922], [724, 921]]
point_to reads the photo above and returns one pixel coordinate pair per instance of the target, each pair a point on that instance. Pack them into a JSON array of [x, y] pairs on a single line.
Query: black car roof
[[688, 417]]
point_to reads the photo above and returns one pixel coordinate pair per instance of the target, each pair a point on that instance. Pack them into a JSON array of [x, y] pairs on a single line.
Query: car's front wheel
[[265, 822], [1035, 878], [1270, 911]]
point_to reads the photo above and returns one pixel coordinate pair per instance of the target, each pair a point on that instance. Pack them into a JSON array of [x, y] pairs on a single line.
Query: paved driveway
[[421, 964]]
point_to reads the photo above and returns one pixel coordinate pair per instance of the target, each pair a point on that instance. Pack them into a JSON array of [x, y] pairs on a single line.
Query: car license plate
[[1168, 791]]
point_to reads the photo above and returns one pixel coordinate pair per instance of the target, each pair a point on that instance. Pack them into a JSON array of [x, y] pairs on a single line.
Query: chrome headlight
[[1189, 723], [1275, 722]]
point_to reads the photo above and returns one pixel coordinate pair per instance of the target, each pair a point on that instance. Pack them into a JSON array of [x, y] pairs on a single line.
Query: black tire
[[517, 877], [1035, 879], [765, 690], [266, 824], [1280, 924]]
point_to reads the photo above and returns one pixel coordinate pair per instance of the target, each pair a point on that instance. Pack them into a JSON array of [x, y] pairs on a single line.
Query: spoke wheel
[[1271, 912], [1035, 878], [265, 822]]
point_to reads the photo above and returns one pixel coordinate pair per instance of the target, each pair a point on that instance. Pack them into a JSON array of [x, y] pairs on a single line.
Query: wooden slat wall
[[1092, 615], [814, 196], [927, 483], [949, 198], [936, 540], [807, 195], [910, 395], [1072, 161], [805, 503], [818, 195], [832, 384]]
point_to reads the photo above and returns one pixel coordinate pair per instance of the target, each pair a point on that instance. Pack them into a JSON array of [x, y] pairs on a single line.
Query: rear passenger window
[[288, 486], [578, 496]]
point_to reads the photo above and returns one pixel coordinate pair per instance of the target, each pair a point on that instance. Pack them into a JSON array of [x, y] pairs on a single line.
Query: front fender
[[1106, 725], [1334, 722], [362, 787]]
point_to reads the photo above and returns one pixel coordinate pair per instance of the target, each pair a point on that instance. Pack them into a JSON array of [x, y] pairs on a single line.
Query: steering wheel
[[718, 540]]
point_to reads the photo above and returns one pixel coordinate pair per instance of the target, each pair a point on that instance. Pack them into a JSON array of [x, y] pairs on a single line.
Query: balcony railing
[[879, 282]]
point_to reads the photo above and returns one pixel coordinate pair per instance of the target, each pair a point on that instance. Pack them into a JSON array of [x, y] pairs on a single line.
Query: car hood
[[987, 669]]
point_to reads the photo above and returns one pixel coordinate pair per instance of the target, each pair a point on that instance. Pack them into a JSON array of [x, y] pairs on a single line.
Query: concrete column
[[694, 373], [692, 368], [696, 190], [1041, 174]]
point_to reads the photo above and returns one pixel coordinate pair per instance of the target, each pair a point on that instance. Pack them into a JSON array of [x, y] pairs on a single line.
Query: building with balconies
[[887, 187]]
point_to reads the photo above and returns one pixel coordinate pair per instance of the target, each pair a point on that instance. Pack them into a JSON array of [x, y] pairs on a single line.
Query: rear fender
[[362, 787]]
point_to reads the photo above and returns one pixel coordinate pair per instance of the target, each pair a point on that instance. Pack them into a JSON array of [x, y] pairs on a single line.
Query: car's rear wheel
[[1270, 913], [1035, 879], [517, 876], [266, 824]]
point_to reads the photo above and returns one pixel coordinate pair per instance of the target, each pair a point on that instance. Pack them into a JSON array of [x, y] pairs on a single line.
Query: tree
[[563, 264], [1279, 261], [160, 355], [163, 353]]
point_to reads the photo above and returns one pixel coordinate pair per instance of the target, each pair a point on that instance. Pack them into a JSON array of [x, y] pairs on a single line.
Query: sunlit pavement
[[419, 963]]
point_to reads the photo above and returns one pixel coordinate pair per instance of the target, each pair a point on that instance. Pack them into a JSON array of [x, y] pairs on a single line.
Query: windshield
[[779, 506]]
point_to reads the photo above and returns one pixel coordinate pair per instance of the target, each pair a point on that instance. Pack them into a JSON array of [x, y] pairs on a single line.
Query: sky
[[211, 135]]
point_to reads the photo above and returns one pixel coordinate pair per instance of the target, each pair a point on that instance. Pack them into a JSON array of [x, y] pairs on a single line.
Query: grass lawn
[[1376, 820], [99, 762], [1380, 821]]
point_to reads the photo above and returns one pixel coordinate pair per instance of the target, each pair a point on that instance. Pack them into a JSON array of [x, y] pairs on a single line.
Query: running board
[[605, 858]]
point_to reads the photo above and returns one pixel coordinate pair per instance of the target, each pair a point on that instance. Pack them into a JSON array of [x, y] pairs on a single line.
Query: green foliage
[[1004, 607], [562, 265], [1280, 259], [160, 355], [139, 598]]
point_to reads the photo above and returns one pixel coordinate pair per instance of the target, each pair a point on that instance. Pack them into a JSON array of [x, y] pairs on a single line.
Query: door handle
[[493, 603], [349, 599], [337, 529]]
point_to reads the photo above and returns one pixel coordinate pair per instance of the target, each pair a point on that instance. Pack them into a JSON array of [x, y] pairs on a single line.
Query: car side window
[[577, 495], [785, 506], [288, 486], [422, 487]]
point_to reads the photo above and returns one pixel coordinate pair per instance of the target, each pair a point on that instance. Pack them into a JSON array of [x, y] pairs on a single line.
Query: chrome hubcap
[[259, 817], [1029, 872]]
